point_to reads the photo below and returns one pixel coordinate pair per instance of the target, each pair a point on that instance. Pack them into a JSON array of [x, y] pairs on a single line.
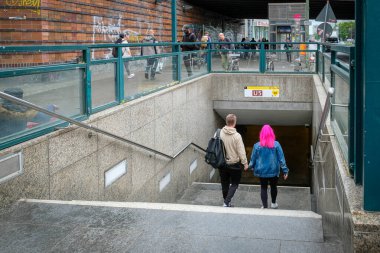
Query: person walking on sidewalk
[[235, 157], [126, 54], [266, 160]]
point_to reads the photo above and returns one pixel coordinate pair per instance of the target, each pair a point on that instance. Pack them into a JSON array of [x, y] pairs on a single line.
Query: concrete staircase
[[288, 198], [197, 223]]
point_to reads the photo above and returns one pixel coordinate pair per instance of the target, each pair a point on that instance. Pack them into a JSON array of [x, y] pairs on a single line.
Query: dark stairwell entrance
[[295, 142]]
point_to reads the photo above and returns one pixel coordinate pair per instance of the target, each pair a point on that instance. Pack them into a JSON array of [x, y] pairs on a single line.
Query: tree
[[347, 30]]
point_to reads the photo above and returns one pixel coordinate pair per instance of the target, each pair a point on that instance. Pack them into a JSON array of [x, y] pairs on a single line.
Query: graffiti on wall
[[109, 30], [35, 5]]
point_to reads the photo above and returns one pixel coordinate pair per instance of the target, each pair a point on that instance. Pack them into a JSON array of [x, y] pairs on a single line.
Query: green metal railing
[[84, 79]]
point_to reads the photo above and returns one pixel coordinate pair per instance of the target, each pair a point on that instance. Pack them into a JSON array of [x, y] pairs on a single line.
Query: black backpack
[[114, 49], [215, 152]]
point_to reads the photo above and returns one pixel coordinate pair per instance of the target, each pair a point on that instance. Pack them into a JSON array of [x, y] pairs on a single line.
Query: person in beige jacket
[[236, 159]]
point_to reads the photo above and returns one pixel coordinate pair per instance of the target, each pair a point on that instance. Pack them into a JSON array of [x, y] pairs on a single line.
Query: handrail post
[[175, 48], [120, 75], [209, 59], [317, 59], [262, 58], [87, 85], [352, 114]]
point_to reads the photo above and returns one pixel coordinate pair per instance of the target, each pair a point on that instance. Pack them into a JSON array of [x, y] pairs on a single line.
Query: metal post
[[175, 48], [358, 107], [120, 75], [262, 58], [87, 85], [351, 118], [317, 59], [370, 108]]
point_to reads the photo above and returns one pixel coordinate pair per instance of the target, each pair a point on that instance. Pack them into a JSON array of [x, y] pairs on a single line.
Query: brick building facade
[[52, 22]]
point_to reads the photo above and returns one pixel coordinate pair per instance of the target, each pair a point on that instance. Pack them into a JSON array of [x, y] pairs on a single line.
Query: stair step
[[288, 198], [94, 226]]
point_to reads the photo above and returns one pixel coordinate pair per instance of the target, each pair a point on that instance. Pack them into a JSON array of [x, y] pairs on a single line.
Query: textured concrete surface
[[74, 226], [288, 198]]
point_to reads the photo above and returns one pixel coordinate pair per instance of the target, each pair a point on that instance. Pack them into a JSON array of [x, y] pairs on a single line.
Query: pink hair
[[267, 137]]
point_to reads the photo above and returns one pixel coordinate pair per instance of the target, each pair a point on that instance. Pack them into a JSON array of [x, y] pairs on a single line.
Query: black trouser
[[264, 189], [187, 60], [289, 56], [151, 65], [227, 177]]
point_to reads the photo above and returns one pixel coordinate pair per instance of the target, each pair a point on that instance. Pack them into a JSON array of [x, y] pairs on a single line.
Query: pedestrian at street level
[[126, 53]]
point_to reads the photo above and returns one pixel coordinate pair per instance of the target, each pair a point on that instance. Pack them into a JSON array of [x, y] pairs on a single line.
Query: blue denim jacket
[[266, 162]]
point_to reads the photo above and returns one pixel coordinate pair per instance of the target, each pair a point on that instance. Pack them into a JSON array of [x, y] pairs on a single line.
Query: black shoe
[[227, 204], [146, 76]]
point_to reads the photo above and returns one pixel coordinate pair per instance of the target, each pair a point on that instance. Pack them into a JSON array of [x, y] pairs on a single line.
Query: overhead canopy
[[258, 9]]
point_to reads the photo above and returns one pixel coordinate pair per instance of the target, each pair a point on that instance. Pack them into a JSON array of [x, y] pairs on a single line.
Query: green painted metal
[[317, 59], [371, 103], [262, 58], [87, 82], [359, 153], [175, 47], [341, 72], [103, 61], [209, 58], [39, 69], [351, 120], [104, 107], [119, 76]]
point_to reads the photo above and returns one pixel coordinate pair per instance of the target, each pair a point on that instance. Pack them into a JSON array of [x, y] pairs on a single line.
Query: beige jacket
[[233, 143]]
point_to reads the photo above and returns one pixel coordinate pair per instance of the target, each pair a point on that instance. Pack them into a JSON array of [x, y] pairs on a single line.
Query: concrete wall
[[68, 164], [293, 106], [339, 200]]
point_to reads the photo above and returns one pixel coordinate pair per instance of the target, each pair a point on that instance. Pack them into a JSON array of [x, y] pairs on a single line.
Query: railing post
[[352, 140], [176, 61], [87, 82], [262, 58], [209, 59], [323, 64], [359, 93], [317, 59], [120, 75]]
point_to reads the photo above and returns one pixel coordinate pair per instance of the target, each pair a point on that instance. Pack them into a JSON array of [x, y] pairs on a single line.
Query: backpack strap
[[155, 48]]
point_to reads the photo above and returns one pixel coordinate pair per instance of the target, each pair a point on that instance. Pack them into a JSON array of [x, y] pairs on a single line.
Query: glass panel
[[9, 60], [236, 61], [193, 64], [289, 62], [147, 75], [320, 65], [341, 114], [103, 79], [327, 68], [60, 91]]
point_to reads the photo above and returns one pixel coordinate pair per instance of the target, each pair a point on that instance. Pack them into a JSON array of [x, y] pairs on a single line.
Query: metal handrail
[[95, 129], [325, 112]]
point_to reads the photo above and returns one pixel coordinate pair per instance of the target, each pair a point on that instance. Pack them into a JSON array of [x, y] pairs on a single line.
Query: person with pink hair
[[266, 160]]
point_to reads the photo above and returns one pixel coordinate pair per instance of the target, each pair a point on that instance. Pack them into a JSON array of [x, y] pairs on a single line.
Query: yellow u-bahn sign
[[262, 91]]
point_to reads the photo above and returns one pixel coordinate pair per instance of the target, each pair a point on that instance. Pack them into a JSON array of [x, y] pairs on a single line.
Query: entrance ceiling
[[258, 9]]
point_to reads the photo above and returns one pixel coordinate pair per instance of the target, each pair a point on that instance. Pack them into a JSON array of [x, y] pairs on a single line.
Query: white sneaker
[[131, 75], [274, 205]]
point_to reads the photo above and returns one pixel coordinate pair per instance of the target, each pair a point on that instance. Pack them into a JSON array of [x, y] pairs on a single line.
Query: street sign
[[324, 30], [262, 91]]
